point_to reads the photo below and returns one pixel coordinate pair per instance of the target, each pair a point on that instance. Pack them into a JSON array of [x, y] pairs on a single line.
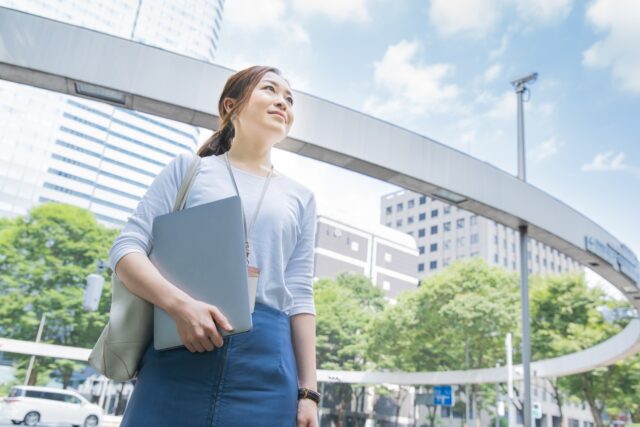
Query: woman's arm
[[303, 334], [143, 279]]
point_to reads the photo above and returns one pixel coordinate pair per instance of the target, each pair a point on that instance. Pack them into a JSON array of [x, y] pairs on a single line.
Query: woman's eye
[[271, 87], [290, 101]]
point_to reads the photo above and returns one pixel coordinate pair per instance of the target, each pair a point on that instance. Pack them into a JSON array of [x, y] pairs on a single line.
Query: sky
[[442, 68]]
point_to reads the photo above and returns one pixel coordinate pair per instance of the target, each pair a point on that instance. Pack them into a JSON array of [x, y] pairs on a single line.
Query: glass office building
[[93, 155]]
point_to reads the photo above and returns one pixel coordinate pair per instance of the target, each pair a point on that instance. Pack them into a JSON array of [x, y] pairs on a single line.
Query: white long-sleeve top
[[282, 240]]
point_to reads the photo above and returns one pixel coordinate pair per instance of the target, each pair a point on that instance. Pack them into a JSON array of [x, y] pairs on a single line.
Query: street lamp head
[[519, 83]]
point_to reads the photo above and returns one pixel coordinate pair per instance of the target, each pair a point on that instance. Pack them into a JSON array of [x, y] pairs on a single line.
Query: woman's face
[[269, 111]]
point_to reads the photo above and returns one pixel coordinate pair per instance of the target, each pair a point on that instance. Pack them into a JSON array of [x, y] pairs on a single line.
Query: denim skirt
[[250, 380]]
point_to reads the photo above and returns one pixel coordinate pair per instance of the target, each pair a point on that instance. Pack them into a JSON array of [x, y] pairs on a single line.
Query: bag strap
[[187, 182]]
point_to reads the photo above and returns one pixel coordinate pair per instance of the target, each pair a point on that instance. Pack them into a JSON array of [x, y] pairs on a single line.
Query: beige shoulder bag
[[125, 338]]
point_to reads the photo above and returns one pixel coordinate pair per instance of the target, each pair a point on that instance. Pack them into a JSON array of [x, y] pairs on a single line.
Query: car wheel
[[31, 419], [91, 421], [16, 422]]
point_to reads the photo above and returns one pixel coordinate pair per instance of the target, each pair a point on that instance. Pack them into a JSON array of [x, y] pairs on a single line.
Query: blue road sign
[[443, 395]]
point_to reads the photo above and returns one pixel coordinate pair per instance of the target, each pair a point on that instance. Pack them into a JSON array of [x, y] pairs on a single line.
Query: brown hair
[[238, 87]]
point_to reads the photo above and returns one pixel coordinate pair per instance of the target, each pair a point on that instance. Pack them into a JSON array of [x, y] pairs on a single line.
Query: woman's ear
[[228, 104]]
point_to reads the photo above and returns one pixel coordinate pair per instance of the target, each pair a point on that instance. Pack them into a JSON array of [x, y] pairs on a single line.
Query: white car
[[31, 405]]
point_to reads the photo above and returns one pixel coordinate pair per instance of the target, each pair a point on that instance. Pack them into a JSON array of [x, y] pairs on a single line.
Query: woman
[[253, 378]]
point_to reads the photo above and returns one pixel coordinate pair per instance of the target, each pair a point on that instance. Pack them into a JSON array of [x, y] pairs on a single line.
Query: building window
[[460, 242], [473, 219], [389, 210], [504, 261], [434, 213], [495, 239], [513, 248], [422, 217], [433, 247], [475, 238], [544, 262], [513, 265], [446, 210], [389, 224], [411, 203], [504, 243], [410, 220], [399, 207], [421, 249], [433, 265], [410, 233], [446, 226], [423, 200], [446, 262], [495, 258], [474, 254], [387, 257], [447, 244], [434, 229], [421, 266], [421, 232], [460, 223]]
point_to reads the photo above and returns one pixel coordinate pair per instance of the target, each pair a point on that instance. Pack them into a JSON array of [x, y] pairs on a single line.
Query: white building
[[445, 233], [386, 256], [90, 154]]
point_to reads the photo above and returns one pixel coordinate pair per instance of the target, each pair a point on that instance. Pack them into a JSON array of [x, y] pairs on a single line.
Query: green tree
[[456, 319], [345, 308], [566, 318], [44, 260]]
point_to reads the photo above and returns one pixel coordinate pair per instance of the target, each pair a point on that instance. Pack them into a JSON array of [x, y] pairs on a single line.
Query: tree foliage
[[45, 259], [566, 317]]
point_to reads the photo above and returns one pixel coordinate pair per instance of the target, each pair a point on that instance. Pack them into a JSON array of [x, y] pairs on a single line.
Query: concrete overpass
[[80, 62]]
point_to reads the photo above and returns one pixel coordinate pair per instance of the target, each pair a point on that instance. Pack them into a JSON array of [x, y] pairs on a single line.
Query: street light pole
[[520, 87]]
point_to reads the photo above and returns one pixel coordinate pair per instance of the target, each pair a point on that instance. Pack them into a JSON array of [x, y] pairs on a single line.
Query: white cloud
[[263, 16], [502, 107], [544, 150], [497, 52], [254, 15], [476, 17], [543, 11], [413, 87], [619, 49], [492, 73], [609, 161], [479, 18], [337, 10]]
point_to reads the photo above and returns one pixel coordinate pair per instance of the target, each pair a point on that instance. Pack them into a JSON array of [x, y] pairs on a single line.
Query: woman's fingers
[[220, 318], [197, 327]]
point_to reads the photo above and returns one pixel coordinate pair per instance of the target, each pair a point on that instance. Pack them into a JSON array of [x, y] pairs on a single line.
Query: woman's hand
[[196, 321], [307, 413]]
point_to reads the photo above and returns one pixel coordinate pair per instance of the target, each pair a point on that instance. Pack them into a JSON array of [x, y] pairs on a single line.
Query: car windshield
[[16, 392]]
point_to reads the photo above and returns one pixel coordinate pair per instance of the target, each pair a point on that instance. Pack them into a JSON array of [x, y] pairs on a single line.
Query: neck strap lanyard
[[247, 232]]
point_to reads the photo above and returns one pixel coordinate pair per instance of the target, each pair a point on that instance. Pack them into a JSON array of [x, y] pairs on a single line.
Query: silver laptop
[[201, 251]]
